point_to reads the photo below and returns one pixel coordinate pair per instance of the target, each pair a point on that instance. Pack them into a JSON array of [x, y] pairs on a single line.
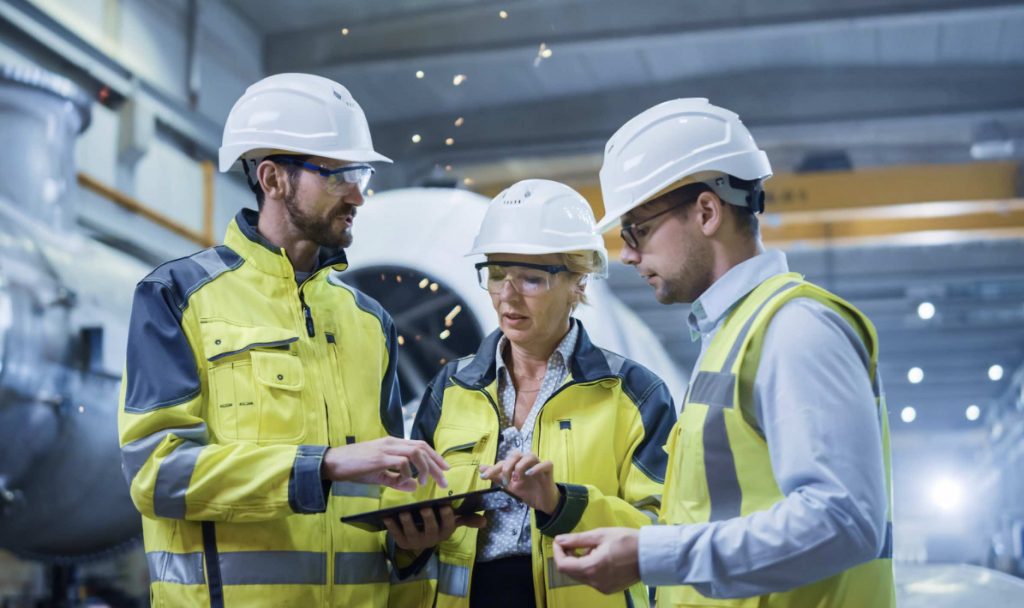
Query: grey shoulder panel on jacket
[[364, 302], [637, 380], [184, 276]]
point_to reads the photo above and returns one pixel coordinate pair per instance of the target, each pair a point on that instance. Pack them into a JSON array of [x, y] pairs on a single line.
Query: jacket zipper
[[328, 528]]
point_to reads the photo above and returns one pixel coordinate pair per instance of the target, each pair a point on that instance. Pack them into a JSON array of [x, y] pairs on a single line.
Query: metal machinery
[[64, 305]]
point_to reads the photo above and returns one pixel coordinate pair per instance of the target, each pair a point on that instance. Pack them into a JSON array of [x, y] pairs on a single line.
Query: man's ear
[[710, 212], [273, 179]]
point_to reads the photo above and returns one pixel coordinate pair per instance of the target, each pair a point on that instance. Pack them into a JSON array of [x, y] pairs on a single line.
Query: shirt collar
[[561, 355], [715, 303]]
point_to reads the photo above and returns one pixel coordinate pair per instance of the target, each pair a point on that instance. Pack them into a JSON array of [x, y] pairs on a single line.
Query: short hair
[[254, 180], [582, 262], [746, 220]]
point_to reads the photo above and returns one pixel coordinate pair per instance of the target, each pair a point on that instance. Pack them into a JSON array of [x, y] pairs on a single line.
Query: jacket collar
[[246, 241], [587, 363]]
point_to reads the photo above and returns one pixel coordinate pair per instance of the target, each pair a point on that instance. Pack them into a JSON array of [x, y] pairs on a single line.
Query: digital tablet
[[462, 504]]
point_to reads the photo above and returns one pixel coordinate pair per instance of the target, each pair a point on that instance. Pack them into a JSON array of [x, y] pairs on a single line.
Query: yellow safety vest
[[719, 465], [235, 383], [603, 429]]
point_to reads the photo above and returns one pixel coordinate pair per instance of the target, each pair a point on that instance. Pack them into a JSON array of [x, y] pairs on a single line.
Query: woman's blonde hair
[[581, 263]]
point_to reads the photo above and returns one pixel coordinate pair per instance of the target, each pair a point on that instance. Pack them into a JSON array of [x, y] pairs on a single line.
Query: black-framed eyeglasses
[[337, 181], [628, 231], [526, 278]]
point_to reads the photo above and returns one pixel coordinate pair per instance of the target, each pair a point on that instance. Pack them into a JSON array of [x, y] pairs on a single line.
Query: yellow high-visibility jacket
[[237, 380], [720, 466], [603, 429]]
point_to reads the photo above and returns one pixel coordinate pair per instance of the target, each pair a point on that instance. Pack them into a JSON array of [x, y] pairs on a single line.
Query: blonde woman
[[574, 431]]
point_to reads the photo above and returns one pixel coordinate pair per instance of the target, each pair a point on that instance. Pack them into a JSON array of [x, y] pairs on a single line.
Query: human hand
[[387, 461], [607, 559], [526, 477], [438, 526]]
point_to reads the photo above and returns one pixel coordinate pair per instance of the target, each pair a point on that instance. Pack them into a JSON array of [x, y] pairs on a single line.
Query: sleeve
[[172, 468], [814, 399], [641, 475], [408, 564]]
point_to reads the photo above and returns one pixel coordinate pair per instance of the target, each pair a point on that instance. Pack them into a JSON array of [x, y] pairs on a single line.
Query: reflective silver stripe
[[720, 468], [614, 361], [360, 568], [210, 261], [135, 454], [172, 480], [180, 568], [713, 388], [556, 579], [718, 391], [735, 350], [453, 580], [273, 568], [428, 572], [358, 490]]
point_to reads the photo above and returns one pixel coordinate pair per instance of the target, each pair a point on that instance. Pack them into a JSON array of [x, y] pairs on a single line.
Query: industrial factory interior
[[895, 136]]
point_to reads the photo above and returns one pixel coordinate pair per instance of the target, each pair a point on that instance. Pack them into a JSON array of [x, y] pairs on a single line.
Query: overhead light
[[503, 14], [908, 414], [344, 31], [972, 412], [992, 142], [449, 141], [926, 310], [915, 375], [420, 74], [947, 494], [416, 138], [995, 373], [468, 181], [543, 52], [447, 167], [458, 79], [459, 121]]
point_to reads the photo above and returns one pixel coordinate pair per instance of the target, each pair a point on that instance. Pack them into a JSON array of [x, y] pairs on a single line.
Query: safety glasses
[[336, 181], [528, 279]]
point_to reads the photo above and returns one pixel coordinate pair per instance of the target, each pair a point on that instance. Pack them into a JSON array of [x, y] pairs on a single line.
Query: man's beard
[[319, 230]]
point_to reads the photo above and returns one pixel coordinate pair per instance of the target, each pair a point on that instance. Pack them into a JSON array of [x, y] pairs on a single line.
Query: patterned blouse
[[508, 528]]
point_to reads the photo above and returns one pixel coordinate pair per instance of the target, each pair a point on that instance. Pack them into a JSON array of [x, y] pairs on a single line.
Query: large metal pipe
[[64, 305]]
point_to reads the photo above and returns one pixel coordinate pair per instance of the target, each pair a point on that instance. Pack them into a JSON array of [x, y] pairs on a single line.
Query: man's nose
[[628, 255]]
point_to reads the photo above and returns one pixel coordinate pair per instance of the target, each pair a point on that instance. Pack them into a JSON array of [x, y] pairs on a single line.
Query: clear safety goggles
[[336, 181], [527, 279]]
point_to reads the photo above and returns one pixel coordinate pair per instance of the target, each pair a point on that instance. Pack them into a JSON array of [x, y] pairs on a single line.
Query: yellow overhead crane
[[930, 204]]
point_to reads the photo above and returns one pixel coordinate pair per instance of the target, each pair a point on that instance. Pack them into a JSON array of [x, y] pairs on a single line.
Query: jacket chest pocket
[[256, 383]]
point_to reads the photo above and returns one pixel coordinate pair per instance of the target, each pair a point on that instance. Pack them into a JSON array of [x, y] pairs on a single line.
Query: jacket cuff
[[569, 512], [307, 492]]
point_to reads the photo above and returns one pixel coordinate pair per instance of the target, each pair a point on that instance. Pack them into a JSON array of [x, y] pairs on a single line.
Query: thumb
[[590, 538]]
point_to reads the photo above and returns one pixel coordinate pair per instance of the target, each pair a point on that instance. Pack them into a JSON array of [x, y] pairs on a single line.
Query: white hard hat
[[300, 113], [660, 148], [538, 216]]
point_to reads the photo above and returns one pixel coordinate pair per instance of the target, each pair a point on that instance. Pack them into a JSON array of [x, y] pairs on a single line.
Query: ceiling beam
[[783, 107], [455, 32]]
